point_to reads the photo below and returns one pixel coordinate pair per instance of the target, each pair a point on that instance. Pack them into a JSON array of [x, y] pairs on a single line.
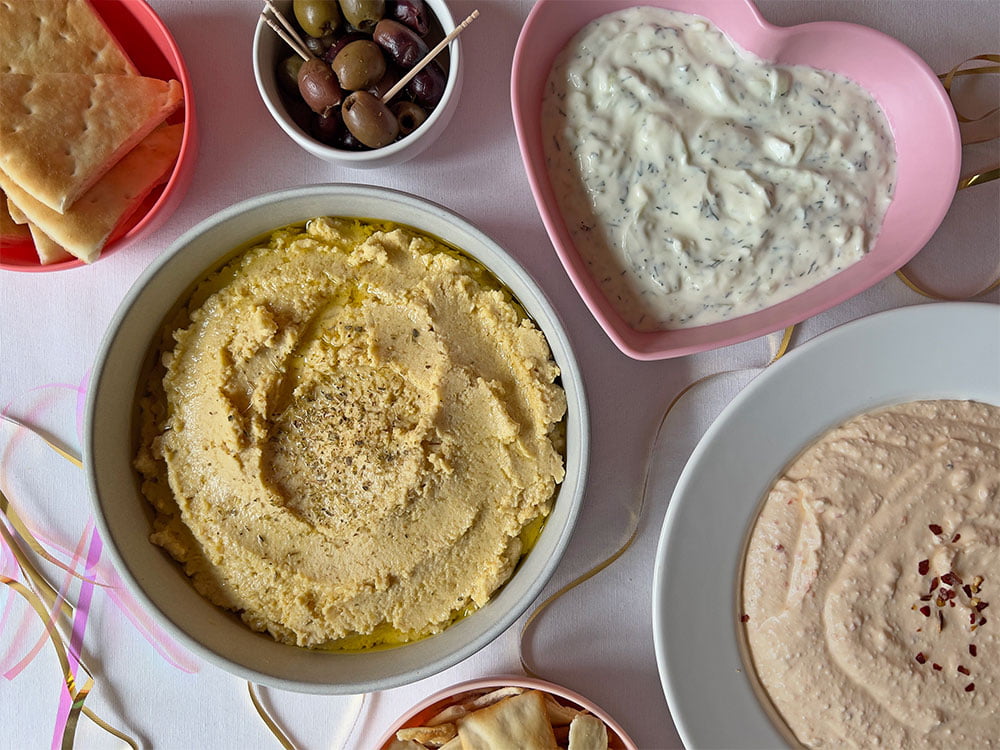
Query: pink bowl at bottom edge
[[443, 698], [920, 115]]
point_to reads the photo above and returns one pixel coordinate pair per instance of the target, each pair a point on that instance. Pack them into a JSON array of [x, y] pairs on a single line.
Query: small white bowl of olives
[[332, 104]]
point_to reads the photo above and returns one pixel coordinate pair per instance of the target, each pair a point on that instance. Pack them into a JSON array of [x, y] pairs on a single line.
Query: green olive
[[410, 116], [369, 120], [363, 14], [317, 17], [288, 73], [359, 65]]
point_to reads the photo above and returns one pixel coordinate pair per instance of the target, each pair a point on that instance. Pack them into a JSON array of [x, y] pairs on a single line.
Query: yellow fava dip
[[352, 429], [868, 577]]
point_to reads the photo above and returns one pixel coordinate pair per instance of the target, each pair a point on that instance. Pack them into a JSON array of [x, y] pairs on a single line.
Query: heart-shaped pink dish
[[917, 111]]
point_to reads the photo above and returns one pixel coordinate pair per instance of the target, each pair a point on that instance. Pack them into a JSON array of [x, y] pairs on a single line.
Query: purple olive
[[400, 43], [327, 128], [348, 142], [351, 36], [413, 13], [298, 110], [318, 45], [427, 87], [369, 120], [386, 82], [318, 86]]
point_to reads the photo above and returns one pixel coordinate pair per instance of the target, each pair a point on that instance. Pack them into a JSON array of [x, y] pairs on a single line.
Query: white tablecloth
[[597, 639]]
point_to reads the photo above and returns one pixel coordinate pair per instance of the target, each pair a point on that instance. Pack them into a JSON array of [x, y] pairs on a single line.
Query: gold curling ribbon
[[279, 734], [947, 79], [978, 178], [783, 347], [43, 594], [78, 695], [269, 721]]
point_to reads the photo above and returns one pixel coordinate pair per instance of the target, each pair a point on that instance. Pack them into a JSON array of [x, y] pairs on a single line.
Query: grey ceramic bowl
[[124, 517]]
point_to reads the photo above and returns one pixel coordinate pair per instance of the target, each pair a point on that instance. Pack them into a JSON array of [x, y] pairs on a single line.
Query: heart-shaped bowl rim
[[920, 116]]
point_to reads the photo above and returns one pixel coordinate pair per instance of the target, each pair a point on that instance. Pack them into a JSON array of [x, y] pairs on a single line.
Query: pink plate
[[155, 53], [416, 716], [923, 124]]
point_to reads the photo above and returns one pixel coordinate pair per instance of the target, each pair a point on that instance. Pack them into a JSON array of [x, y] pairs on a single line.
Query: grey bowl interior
[[123, 516]]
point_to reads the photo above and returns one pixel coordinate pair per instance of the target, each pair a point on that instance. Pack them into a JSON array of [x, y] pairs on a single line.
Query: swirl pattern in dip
[[868, 580], [352, 431], [699, 182]]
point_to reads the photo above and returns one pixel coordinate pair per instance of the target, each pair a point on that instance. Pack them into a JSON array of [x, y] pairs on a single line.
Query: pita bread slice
[[85, 226], [516, 723], [53, 35], [63, 131], [587, 732], [48, 250], [12, 229]]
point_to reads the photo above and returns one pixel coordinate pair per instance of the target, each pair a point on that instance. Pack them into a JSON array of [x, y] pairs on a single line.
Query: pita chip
[[52, 35], [86, 225], [12, 229], [61, 132], [516, 723], [587, 732], [48, 250]]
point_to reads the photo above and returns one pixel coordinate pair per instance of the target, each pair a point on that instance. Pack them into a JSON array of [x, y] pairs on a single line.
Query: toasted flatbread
[[12, 230], [48, 251], [41, 36], [516, 723], [63, 131], [86, 225], [587, 732]]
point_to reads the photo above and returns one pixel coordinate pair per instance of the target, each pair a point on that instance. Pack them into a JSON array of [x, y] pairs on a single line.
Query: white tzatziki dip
[[699, 182]]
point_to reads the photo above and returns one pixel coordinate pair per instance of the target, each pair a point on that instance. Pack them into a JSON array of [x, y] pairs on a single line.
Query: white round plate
[[941, 350]]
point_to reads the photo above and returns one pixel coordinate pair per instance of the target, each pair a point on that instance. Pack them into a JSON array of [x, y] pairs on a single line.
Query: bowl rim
[[499, 681], [181, 173], [572, 488], [669, 343], [365, 157]]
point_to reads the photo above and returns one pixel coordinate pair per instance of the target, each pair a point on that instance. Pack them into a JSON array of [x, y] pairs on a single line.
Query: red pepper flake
[[972, 649], [935, 529], [921, 659], [982, 621], [963, 670], [956, 538], [934, 583], [924, 567], [925, 598], [951, 579], [970, 687], [779, 547], [937, 667], [744, 618], [972, 618], [925, 611], [981, 606], [968, 590]]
